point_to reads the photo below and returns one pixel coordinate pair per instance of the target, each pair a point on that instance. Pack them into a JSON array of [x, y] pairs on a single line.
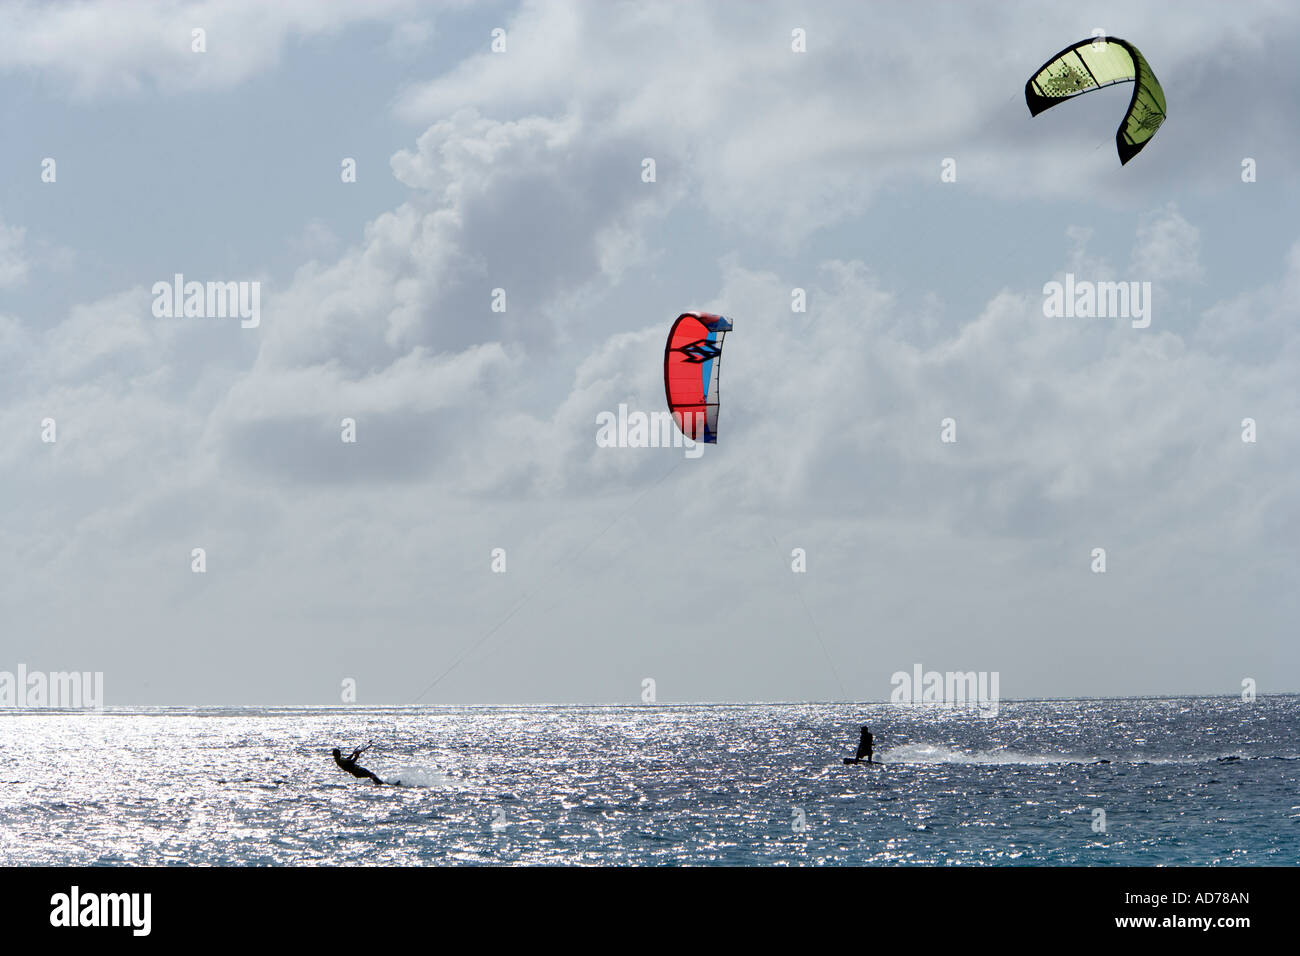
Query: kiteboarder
[[864, 745], [349, 763]]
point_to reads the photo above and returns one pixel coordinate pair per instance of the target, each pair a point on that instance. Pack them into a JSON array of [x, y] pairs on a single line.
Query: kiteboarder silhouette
[[864, 747], [349, 763]]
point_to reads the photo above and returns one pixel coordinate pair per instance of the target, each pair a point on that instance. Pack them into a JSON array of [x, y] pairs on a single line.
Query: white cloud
[[1167, 248], [126, 46], [410, 38], [13, 259], [782, 144], [476, 429]]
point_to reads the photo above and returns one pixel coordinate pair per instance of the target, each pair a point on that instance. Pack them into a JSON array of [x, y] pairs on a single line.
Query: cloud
[[782, 144], [410, 38], [97, 50], [1167, 248], [13, 260], [476, 428]]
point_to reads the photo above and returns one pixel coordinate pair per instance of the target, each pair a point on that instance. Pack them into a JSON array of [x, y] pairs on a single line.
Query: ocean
[[1191, 781]]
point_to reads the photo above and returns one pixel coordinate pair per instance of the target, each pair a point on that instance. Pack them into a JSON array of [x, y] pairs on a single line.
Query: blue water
[[693, 784]]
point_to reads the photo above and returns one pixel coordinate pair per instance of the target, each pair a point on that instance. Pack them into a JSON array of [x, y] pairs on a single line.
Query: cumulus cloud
[[1167, 248], [122, 48], [13, 259], [785, 143], [476, 428]]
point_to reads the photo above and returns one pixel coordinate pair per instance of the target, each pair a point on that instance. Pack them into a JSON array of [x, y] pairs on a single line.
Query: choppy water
[[697, 784]]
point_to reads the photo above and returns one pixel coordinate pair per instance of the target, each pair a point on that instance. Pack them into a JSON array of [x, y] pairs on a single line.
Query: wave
[[425, 777], [939, 754], [922, 753]]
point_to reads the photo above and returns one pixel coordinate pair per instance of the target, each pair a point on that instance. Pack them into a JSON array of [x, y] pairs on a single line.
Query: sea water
[[1190, 781]]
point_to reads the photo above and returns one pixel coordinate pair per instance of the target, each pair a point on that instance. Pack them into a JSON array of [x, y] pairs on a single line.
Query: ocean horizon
[[1149, 781]]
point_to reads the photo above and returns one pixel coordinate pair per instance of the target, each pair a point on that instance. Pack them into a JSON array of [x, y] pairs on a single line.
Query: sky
[[879, 157]]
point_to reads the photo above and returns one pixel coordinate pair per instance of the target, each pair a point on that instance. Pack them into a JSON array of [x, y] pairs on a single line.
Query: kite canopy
[[692, 358], [1092, 64]]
